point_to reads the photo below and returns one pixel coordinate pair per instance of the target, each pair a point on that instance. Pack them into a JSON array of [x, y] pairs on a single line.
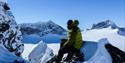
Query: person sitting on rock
[[73, 44]]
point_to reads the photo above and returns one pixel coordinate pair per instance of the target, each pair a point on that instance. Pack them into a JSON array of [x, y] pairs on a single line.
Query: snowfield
[[111, 34]]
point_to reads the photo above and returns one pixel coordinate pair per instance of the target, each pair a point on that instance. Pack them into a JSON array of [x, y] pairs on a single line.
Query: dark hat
[[69, 22], [76, 22]]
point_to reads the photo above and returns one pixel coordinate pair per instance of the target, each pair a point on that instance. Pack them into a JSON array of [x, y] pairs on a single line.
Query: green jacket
[[74, 38]]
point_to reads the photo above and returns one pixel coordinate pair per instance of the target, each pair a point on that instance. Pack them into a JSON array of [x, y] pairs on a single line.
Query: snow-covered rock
[[10, 36], [40, 53], [27, 50]]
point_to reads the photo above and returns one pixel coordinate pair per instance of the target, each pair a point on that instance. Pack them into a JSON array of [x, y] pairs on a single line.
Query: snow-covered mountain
[[41, 28], [108, 30], [104, 24], [42, 31], [109, 23], [35, 32]]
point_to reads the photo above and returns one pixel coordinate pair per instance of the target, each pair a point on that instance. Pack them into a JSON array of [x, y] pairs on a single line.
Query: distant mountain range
[[41, 28], [109, 23], [104, 24]]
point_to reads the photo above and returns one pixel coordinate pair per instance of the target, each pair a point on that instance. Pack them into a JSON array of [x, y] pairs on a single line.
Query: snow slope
[[8, 57], [111, 34]]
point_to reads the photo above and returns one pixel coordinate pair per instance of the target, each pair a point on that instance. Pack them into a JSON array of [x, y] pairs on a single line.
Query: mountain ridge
[[41, 28]]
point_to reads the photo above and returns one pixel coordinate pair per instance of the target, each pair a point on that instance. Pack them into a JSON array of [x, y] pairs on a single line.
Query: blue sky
[[87, 12]]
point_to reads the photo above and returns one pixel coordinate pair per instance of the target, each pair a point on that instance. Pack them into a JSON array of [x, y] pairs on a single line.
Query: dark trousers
[[70, 50]]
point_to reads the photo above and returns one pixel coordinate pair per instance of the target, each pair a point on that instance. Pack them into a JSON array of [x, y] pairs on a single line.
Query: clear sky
[[87, 12]]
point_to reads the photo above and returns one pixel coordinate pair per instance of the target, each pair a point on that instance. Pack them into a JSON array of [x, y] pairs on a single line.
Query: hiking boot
[[67, 60]]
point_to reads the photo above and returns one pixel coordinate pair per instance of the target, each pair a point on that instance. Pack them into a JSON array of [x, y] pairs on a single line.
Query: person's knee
[[62, 42], [61, 50]]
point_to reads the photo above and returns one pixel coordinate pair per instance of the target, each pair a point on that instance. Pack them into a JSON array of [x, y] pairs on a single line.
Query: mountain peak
[[104, 24], [50, 21], [41, 28]]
